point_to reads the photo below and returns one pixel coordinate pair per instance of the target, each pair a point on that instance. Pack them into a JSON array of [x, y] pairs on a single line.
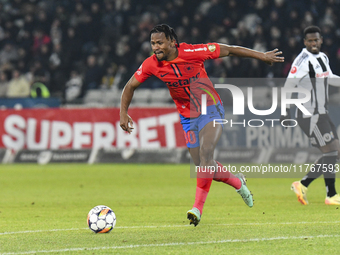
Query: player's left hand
[[271, 57]]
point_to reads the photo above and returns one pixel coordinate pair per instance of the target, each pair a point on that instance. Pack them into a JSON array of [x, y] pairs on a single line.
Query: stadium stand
[[48, 39]]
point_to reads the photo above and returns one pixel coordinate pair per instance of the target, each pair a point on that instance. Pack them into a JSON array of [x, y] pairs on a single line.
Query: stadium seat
[[112, 97], [160, 96], [141, 96], [94, 96]]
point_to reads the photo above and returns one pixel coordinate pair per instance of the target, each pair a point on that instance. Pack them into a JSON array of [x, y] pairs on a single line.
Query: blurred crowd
[[73, 46]]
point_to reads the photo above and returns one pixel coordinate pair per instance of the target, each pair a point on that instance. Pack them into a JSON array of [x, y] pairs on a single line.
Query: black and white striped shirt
[[311, 71]]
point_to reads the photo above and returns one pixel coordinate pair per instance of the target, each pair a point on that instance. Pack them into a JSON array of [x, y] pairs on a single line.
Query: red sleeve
[[201, 51], [213, 50], [144, 71]]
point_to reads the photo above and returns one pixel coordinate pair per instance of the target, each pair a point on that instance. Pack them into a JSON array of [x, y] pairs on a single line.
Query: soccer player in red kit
[[181, 67]]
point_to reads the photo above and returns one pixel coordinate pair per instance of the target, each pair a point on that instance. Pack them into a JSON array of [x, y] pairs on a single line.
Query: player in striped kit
[[311, 70]]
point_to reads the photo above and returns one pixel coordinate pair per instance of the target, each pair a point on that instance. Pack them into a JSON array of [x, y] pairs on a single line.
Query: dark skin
[[313, 42], [165, 49]]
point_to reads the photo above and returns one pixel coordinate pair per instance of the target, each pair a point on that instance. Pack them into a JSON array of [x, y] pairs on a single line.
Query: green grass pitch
[[43, 209]]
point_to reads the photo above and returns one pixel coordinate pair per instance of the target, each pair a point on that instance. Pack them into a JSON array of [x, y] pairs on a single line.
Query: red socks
[[226, 177], [204, 180]]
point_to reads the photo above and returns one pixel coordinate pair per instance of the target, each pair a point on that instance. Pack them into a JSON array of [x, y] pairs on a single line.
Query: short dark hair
[[167, 30], [311, 29]]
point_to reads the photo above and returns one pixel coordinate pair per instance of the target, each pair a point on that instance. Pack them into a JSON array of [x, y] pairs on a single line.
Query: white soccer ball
[[101, 219]]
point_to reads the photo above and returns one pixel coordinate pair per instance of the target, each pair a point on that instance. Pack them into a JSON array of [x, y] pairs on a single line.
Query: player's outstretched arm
[[126, 122], [268, 57]]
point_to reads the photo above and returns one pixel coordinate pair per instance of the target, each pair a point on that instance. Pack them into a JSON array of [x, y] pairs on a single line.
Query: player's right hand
[[273, 56], [126, 123]]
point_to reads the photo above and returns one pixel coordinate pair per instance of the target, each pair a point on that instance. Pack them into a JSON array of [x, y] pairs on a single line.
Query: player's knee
[[333, 146]]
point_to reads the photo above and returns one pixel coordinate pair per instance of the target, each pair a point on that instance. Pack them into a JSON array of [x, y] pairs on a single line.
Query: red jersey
[[185, 76]]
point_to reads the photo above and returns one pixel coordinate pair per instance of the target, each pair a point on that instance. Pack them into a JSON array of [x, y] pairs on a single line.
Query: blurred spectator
[[73, 87], [43, 55], [71, 48], [93, 73], [94, 28], [78, 15], [120, 77], [109, 77], [57, 69], [238, 67], [3, 84], [61, 14], [11, 30], [40, 73], [255, 70], [8, 54], [56, 32], [25, 41], [28, 23], [218, 68], [337, 60], [39, 39], [39, 89], [18, 86], [43, 22]]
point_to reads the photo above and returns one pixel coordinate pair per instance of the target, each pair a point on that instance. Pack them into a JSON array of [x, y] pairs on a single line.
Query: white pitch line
[[177, 226], [173, 244], [37, 231]]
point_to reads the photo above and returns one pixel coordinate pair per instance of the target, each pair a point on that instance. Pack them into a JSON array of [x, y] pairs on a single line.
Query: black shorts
[[324, 131]]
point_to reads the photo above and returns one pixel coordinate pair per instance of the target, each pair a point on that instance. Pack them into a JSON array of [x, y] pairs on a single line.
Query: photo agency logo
[[239, 105]]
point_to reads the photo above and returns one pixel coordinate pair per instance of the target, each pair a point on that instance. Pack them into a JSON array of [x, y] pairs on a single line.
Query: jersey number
[[190, 137]]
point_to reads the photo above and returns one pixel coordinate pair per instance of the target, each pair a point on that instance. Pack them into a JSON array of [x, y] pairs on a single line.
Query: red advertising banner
[[39, 129]]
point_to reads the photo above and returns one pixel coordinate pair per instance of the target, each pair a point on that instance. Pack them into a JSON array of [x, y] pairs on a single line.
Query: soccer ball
[[101, 219]]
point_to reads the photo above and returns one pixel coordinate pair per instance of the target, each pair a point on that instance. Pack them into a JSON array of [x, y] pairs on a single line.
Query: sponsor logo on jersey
[[320, 75], [211, 47], [293, 70], [198, 49], [183, 82]]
